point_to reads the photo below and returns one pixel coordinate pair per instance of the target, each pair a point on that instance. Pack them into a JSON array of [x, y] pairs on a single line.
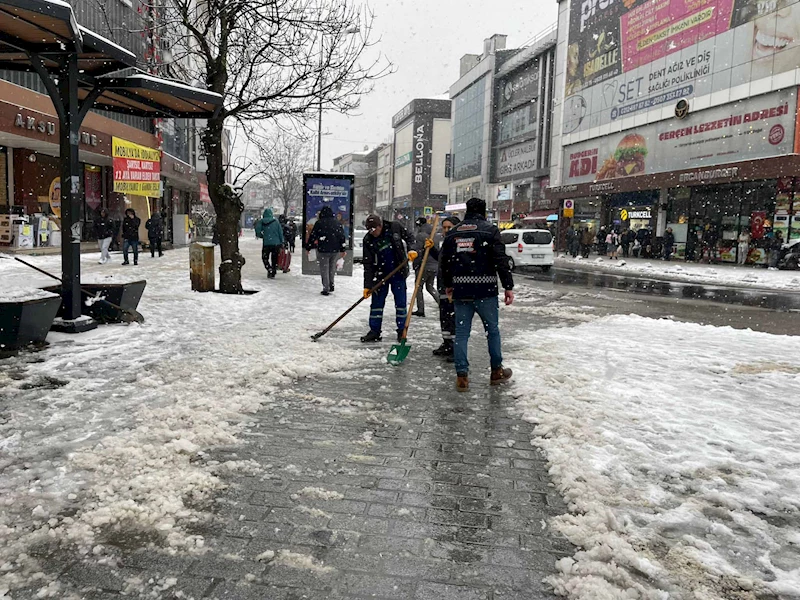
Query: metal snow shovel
[[374, 289], [399, 352], [127, 315]]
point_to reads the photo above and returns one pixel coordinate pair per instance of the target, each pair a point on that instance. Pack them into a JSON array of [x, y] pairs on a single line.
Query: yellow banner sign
[[137, 169]]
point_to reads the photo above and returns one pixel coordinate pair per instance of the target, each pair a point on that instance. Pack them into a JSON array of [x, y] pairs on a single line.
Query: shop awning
[[37, 35], [82, 70], [47, 29]]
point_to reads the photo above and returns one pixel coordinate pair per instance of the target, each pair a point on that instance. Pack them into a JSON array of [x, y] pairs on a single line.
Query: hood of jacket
[[156, 217], [130, 210], [326, 213], [268, 216]]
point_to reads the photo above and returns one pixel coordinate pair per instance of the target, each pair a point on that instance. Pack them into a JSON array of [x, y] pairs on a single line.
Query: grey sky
[[425, 40]]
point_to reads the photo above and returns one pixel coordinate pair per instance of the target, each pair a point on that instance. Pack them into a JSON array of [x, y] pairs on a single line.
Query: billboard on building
[[337, 191], [627, 57], [137, 169], [758, 127]]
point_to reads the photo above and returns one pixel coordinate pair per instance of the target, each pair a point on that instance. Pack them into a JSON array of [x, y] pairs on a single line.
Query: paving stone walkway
[[377, 483]]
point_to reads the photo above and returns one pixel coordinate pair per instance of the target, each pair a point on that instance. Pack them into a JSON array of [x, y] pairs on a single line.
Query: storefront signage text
[[601, 187], [563, 189], [626, 214], [419, 148], [49, 127], [753, 128], [403, 160], [403, 114], [137, 169], [629, 56], [710, 174]]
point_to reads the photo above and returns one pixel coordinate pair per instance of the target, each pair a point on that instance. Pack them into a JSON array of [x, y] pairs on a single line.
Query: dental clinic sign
[[633, 57]]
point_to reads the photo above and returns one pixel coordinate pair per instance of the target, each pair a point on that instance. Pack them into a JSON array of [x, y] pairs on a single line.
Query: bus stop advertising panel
[[336, 190]]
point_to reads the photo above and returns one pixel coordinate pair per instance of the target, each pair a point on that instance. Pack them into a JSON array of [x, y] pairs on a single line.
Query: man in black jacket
[[155, 233], [472, 257], [130, 236], [104, 231], [384, 251], [327, 238]]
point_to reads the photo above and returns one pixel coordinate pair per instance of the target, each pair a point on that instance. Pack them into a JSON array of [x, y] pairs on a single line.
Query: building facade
[[421, 157], [472, 121], [690, 127], [520, 154], [384, 182], [29, 145], [364, 166]]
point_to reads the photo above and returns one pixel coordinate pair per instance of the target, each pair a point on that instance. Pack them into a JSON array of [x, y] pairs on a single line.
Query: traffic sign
[[428, 210]]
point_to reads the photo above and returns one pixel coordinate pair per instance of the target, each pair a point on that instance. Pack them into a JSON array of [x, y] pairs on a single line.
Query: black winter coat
[[130, 228], [472, 257], [155, 227], [327, 236], [104, 228], [375, 268]]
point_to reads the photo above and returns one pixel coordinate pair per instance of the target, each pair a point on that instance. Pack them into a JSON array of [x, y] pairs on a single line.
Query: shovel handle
[[374, 289], [420, 274]]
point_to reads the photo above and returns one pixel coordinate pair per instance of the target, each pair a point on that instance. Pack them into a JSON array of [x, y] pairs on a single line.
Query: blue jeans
[[488, 311], [130, 244], [398, 285]]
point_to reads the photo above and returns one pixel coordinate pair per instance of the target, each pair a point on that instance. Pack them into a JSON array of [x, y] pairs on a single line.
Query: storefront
[[708, 220], [180, 190], [30, 169], [707, 209]]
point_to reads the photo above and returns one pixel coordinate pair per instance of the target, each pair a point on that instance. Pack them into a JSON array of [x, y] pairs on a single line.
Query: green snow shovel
[[399, 352]]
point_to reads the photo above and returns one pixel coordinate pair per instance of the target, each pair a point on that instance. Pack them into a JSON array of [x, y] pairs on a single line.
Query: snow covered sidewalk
[[723, 274], [677, 448], [104, 433]]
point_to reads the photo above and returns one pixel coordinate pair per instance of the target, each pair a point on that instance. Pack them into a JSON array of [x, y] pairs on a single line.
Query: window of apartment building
[[468, 126]]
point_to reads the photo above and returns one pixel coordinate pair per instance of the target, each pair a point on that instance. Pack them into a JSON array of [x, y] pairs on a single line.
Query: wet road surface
[[771, 312]]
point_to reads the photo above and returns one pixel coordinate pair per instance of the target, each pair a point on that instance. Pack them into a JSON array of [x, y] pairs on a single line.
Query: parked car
[[529, 248], [358, 244], [790, 256]]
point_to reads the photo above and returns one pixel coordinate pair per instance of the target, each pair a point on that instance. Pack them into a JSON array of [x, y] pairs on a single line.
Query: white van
[[358, 244], [529, 248]]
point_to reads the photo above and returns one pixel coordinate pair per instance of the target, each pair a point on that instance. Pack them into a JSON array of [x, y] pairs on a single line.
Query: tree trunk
[[228, 207]]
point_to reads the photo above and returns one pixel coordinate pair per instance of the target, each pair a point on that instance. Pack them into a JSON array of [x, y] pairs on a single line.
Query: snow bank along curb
[[677, 452], [746, 277]]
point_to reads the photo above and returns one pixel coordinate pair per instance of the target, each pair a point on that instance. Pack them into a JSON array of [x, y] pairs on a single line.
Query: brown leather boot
[[462, 383], [500, 375]]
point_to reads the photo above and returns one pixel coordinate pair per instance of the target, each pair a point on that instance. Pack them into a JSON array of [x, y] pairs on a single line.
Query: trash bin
[[201, 264]]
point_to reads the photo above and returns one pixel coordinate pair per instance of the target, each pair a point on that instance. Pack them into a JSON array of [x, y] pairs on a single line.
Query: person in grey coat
[[431, 267]]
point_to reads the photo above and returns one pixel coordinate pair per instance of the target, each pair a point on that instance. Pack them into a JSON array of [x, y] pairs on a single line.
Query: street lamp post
[[349, 31]]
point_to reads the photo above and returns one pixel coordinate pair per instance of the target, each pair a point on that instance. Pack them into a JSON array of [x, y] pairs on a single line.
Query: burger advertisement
[[752, 128]]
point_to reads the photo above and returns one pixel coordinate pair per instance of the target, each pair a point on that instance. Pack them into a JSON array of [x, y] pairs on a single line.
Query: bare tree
[[283, 163], [269, 59]]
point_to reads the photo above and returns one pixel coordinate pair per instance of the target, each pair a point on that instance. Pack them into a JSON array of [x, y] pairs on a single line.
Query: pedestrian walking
[[130, 236], [472, 256], [570, 239], [692, 243], [447, 311], [586, 242], [270, 231], [327, 238], [775, 248], [627, 240], [155, 234], [669, 242], [612, 244], [386, 248], [292, 235], [744, 247], [428, 281], [104, 232]]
